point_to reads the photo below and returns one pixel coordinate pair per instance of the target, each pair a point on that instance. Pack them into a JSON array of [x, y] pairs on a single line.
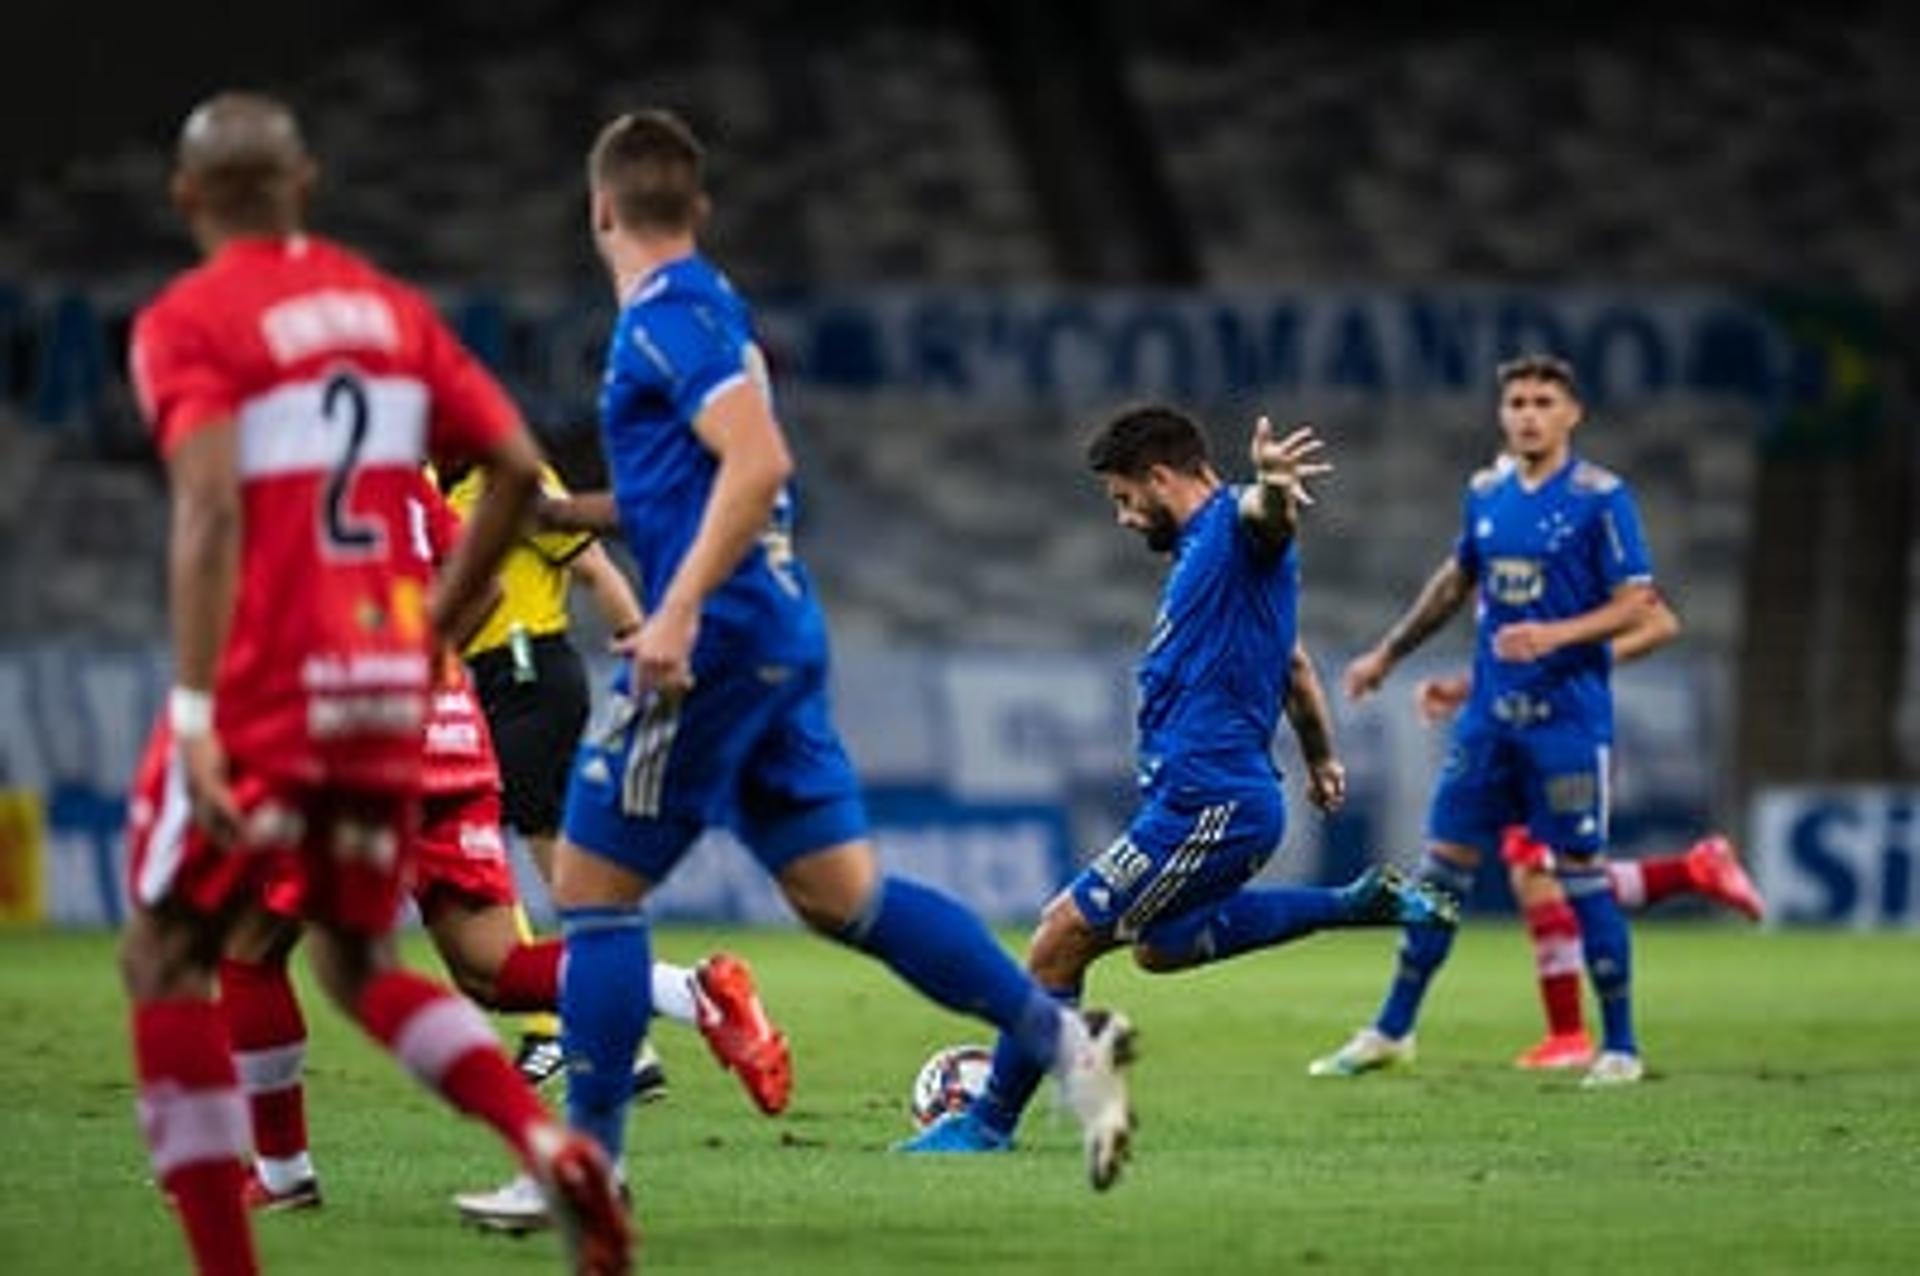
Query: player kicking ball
[[1223, 658]]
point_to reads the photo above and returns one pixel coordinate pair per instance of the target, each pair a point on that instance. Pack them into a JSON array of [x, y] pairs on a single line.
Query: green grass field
[[1779, 1130]]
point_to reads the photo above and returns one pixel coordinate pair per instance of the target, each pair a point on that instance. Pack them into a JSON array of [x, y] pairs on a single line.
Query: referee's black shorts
[[536, 725]]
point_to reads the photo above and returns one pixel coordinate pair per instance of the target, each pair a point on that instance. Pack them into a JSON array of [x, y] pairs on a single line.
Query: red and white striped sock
[[529, 978], [1644, 882], [269, 1038], [1557, 961], [444, 1041], [195, 1123]]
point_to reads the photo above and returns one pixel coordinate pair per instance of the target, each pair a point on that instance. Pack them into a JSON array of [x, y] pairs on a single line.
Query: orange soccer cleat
[[1713, 866], [1558, 1050], [584, 1202], [738, 1031]]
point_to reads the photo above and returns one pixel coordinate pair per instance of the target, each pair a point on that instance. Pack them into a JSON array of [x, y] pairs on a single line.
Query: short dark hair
[[1140, 438], [653, 167], [1539, 367]]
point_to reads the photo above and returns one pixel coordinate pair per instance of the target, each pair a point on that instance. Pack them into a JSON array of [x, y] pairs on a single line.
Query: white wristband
[[190, 712]]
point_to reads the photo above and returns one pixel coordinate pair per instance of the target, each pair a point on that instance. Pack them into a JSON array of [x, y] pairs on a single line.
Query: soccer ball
[[950, 1081]]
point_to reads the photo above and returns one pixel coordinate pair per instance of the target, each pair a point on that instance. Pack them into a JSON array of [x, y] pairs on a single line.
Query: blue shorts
[[1177, 856], [752, 747], [1551, 779]]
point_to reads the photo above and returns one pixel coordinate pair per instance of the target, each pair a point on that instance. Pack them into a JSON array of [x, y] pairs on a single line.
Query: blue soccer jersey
[[752, 745], [1216, 666], [1212, 682], [1553, 552], [683, 338]]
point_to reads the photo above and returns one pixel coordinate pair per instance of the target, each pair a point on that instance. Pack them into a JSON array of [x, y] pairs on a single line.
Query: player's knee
[[831, 890], [1533, 887], [474, 983], [162, 959], [1156, 961]]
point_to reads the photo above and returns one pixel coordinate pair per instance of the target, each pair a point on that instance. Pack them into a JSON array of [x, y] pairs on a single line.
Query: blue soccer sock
[[1608, 950], [944, 951], [605, 1000], [1423, 949], [1245, 921], [1016, 1075]]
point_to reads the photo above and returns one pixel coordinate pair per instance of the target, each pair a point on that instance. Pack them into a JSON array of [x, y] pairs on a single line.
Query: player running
[[293, 390], [1224, 656], [533, 687], [722, 717], [1553, 547], [463, 886]]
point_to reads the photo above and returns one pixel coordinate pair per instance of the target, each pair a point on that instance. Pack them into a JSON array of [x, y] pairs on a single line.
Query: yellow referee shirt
[[533, 575]]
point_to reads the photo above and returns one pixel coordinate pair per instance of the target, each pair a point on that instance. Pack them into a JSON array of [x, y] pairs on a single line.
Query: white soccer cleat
[[1369, 1050], [516, 1208], [1612, 1068], [1099, 1048]]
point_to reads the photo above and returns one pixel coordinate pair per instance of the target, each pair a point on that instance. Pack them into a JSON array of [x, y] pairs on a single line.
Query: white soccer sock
[[1629, 883], [674, 994]]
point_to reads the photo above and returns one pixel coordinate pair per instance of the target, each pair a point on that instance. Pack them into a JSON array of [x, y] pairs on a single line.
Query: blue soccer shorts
[[751, 747], [1179, 855], [1551, 779]]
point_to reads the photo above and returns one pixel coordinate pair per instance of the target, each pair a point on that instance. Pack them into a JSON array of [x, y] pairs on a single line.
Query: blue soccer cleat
[[957, 1132], [1385, 896]]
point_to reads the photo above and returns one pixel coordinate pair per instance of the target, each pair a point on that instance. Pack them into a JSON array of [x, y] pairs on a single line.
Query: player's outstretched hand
[[1327, 784], [208, 794], [1365, 674], [1437, 699], [1287, 463]]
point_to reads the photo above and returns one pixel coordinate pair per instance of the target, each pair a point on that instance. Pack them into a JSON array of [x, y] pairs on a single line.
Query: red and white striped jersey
[[338, 381]]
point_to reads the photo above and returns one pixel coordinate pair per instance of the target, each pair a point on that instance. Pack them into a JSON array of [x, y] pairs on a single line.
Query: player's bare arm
[[203, 563], [513, 479], [1270, 507], [578, 512], [612, 595], [740, 431], [1535, 639], [1437, 699], [1445, 592], [1311, 718], [1655, 627], [469, 622]]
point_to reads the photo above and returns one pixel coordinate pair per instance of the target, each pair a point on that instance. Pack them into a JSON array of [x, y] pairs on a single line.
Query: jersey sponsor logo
[[1515, 582], [331, 319], [374, 713], [1518, 709], [460, 739], [371, 669], [482, 842]]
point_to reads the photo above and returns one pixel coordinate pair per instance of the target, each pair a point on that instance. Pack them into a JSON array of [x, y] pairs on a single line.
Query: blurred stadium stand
[[1223, 146]]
